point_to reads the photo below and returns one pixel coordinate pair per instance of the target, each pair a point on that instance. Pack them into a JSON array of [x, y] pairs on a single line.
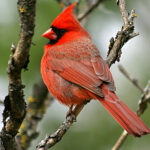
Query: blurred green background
[[95, 128]]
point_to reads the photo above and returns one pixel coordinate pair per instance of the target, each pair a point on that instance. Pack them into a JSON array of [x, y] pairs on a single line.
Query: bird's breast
[[65, 91]]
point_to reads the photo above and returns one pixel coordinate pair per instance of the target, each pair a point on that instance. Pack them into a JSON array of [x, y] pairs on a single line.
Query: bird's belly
[[63, 90]]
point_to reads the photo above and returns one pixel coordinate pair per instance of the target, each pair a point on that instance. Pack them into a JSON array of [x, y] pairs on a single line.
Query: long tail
[[123, 114]]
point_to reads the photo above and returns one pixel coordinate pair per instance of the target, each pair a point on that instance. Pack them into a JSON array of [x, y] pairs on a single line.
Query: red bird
[[74, 72]]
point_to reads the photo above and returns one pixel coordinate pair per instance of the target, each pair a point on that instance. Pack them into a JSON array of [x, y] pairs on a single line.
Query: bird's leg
[[87, 101], [70, 114]]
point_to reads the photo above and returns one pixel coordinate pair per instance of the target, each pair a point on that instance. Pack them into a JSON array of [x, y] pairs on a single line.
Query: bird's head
[[65, 22]]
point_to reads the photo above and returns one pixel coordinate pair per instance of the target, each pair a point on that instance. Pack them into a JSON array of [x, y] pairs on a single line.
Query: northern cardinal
[[74, 72]]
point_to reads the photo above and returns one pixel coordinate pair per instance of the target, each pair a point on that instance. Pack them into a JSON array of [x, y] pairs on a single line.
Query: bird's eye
[[62, 30]]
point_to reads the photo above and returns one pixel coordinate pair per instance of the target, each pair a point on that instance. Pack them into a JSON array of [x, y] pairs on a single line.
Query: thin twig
[[14, 104], [124, 13], [121, 140], [114, 52], [133, 80], [64, 3], [145, 98], [89, 10]]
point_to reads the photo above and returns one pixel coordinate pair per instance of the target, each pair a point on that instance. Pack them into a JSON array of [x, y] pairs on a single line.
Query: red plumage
[[74, 71]]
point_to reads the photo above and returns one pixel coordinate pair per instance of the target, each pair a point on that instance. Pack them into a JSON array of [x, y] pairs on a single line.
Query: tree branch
[[145, 98], [37, 105], [142, 105], [123, 11], [122, 37], [130, 78], [15, 107], [54, 138], [89, 10], [121, 140], [126, 33]]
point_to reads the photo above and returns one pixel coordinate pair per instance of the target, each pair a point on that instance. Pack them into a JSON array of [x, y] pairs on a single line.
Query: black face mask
[[59, 33]]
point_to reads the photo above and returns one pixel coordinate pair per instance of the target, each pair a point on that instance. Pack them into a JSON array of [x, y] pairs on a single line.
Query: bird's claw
[[70, 115]]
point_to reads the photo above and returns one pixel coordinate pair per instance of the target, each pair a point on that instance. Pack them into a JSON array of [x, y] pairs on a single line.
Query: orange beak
[[50, 34]]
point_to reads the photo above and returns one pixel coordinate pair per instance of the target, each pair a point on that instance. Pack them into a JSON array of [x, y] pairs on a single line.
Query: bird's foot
[[87, 101], [70, 114]]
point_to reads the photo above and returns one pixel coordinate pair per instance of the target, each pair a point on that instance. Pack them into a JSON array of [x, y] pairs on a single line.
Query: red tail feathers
[[124, 115]]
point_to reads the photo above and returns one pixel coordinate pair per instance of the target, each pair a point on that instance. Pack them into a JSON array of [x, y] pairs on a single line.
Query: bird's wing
[[102, 71], [89, 74]]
